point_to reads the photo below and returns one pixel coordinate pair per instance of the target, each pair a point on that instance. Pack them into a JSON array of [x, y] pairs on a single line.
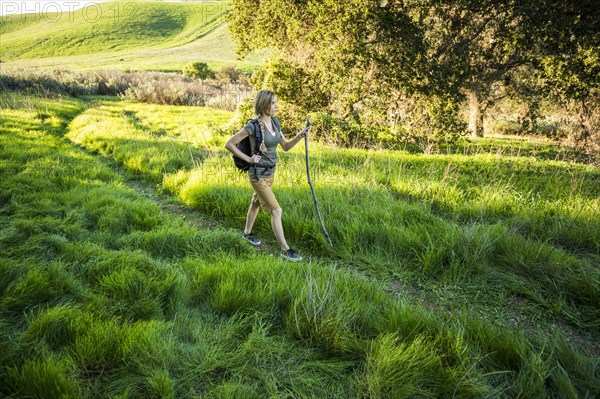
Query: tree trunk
[[475, 113]]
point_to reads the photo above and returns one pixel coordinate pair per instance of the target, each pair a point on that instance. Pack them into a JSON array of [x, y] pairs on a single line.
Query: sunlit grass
[[165, 143], [132, 35], [104, 294], [108, 25], [450, 217]]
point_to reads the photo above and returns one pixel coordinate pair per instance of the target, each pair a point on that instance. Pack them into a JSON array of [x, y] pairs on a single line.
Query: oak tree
[[386, 53]]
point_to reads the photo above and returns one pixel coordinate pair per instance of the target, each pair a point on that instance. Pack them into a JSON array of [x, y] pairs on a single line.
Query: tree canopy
[[385, 54]]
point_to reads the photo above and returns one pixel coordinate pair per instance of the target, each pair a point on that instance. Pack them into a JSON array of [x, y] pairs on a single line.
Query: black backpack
[[246, 147]]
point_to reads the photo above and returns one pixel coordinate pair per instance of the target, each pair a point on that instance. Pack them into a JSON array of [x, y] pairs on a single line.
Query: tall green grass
[[530, 225], [105, 295], [166, 145]]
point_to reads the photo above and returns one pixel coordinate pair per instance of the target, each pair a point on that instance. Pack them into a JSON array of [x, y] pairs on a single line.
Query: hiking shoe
[[252, 239], [290, 254]]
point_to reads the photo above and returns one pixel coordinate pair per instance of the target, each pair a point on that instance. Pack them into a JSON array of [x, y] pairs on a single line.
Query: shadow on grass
[[136, 122], [149, 158], [542, 149]]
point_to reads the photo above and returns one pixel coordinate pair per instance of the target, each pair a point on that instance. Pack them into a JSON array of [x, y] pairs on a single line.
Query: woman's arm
[[288, 145], [234, 140]]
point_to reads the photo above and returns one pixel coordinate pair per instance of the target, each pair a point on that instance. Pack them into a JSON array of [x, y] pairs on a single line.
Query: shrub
[[148, 87], [161, 92], [224, 103], [343, 133], [228, 74], [198, 70]]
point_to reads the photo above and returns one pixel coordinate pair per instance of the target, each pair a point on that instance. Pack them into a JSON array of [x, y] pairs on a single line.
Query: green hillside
[[121, 35]]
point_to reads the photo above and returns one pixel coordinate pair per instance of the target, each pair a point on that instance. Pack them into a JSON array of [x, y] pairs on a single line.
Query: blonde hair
[[262, 101], [262, 104]]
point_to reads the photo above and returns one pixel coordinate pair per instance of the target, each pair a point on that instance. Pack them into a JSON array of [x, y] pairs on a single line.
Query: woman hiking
[[262, 167]]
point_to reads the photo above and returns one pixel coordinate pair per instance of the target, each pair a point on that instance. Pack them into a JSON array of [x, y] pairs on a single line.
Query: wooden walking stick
[[312, 189]]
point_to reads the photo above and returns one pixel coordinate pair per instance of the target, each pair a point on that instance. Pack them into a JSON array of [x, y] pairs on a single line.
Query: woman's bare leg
[[278, 228], [251, 216]]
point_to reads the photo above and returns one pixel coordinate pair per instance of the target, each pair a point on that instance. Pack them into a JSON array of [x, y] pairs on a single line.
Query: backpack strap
[[276, 123], [257, 136]]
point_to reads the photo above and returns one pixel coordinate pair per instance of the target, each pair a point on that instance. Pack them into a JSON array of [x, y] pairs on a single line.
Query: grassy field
[[467, 274], [126, 35]]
